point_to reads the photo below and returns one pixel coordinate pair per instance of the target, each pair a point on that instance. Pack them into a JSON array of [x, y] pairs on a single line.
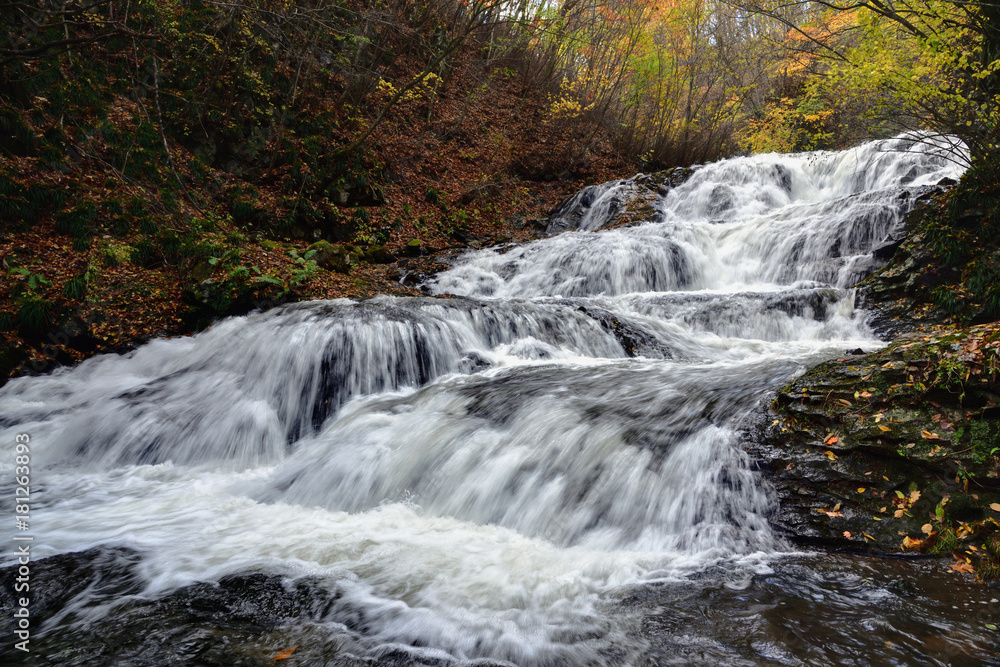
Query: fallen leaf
[[995, 507], [898, 514], [927, 435], [882, 509], [914, 497], [843, 401], [927, 529], [847, 534], [883, 428], [861, 489], [286, 654], [868, 536], [830, 455], [831, 440], [963, 567]]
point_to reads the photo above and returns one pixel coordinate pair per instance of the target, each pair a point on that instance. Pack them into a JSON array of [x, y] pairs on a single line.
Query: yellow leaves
[[927, 435], [830, 455], [861, 489], [910, 543], [286, 654], [843, 401], [884, 428], [835, 512]]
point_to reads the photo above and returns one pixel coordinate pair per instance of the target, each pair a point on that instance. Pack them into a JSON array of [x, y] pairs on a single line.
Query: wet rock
[[634, 341], [414, 272], [606, 204], [895, 450]]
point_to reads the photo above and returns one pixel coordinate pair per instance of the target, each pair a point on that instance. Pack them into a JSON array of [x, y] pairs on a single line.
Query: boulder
[[893, 451], [338, 258]]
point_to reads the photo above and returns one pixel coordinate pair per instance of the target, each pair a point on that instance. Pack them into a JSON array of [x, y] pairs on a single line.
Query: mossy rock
[[414, 248], [379, 254], [894, 450], [338, 258]]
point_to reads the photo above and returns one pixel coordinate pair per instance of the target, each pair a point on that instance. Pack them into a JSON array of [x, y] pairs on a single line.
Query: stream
[[542, 462]]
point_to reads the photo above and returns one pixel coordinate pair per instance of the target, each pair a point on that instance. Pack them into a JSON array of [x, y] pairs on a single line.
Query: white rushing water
[[482, 476]]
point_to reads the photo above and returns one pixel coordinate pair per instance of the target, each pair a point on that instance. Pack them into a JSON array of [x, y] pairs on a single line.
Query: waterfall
[[482, 475]]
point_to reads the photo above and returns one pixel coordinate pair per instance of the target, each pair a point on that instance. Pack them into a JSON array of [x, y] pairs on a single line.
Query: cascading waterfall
[[481, 476]]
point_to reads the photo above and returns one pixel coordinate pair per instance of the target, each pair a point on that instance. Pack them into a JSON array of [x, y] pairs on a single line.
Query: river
[[540, 463]]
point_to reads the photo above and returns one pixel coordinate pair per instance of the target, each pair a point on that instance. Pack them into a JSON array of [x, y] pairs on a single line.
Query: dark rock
[[414, 248], [378, 254], [863, 451], [350, 196], [416, 271], [12, 356]]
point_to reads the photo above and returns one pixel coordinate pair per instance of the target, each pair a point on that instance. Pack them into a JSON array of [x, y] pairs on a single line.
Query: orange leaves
[[285, 654], [904, 502], [927, 435], [831, 440], [964, 567], [910, 543]]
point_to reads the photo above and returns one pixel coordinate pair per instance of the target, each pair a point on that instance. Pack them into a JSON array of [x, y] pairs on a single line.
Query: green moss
[[984, 436]]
